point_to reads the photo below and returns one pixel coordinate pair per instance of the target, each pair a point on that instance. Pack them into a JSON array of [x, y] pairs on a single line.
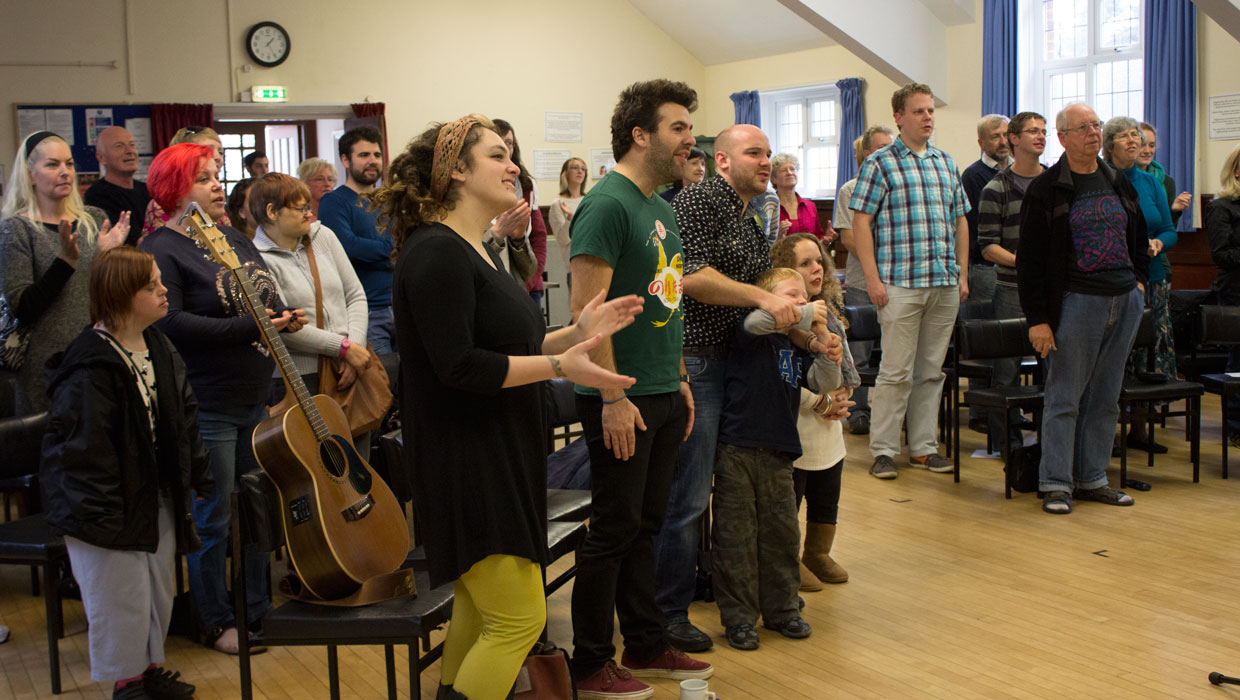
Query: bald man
[[117, 190], [725, 250]]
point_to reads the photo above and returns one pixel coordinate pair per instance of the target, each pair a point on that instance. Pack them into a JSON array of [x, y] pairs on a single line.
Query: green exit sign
[[269, 93]]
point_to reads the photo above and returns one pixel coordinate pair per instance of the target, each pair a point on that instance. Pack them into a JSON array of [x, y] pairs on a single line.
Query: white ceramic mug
[[695, 689]]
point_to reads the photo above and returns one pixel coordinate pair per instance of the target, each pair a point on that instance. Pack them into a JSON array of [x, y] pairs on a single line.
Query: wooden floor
[[954, 593]]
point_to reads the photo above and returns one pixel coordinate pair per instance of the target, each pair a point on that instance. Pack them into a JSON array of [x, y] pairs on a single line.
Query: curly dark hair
[[360, 133], [639, 107], [404, 201]]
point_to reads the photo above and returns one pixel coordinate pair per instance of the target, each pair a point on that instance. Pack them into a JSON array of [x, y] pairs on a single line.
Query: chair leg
[[1226, 441], [1123, 447], [1194, 418], [333, 672], [955, 442], [1007, 453], [1149, 432], [55, 627], [389, 664], [415, 671]]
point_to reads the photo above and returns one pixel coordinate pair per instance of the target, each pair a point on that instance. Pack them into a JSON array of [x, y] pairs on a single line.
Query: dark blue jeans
[[1083, 379], [380, 332], [226, 432], [676, 548]]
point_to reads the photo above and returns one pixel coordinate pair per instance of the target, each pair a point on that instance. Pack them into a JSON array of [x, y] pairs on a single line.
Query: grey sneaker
[[884, 468], [933, 461], [860, 425]]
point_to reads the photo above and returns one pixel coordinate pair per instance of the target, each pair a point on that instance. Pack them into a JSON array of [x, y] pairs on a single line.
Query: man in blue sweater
[[369, 248]]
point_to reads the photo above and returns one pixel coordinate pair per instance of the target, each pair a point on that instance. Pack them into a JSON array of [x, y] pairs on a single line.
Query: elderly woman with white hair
[[48, 239], [320, 177], [1122, 139], [796, 214]]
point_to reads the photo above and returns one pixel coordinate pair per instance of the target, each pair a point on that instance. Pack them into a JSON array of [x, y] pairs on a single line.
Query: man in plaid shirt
[[912, 240]]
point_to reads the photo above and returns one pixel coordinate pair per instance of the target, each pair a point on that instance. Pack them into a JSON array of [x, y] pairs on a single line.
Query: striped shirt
[[915, 201], [998, 219]]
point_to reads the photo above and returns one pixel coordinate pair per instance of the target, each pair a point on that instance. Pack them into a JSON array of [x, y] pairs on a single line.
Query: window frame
[[1035, 72], [771, 102]]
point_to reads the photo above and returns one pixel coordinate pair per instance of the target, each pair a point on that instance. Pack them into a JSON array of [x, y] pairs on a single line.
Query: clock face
[[268, 44]]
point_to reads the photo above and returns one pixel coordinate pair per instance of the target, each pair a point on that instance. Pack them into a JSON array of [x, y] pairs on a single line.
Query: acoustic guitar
[[342, 524]]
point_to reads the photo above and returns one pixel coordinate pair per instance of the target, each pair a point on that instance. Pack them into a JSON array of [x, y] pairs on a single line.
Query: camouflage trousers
[[754, 536]]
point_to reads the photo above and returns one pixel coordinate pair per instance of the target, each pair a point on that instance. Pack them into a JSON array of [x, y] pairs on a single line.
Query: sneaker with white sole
[[933, 461], [884, 468], [673, 663], [611, 682]]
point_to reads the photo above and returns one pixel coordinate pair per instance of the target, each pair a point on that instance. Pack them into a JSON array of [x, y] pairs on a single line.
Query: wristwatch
[[344, 347], [684, 379]]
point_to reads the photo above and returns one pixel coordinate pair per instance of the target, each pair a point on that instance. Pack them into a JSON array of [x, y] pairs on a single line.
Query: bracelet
[[809, 342], [823, 406], [344, 347], [608, 403]]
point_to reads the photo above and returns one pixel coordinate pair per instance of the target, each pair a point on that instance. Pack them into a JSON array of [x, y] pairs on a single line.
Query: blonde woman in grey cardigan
[[280, 205], [48, 239]]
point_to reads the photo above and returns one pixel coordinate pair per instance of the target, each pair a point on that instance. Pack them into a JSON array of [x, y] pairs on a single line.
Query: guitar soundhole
[[334, 458]]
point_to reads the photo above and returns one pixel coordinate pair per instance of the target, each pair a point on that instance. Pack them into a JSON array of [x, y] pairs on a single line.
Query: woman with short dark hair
[[120, 457]]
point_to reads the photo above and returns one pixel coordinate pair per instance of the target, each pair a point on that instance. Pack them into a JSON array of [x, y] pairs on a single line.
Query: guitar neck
[[271, 337]]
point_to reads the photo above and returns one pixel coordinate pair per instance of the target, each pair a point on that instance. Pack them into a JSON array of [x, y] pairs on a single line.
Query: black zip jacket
[[1046, 239], [101, 471]]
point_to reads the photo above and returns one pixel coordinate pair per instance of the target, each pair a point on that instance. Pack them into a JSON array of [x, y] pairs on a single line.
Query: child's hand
[[820, 314]]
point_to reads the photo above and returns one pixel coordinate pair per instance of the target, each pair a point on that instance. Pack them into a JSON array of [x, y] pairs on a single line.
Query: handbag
[[545, 675], [14, 338], [368, 398]]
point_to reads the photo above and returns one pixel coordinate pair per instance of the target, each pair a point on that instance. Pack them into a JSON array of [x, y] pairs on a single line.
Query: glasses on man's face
[[1034, 131], [1086, 128], [304, 209]]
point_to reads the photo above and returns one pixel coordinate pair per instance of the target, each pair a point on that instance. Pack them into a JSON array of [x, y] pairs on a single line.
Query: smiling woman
[[477, 350], [48, 240]]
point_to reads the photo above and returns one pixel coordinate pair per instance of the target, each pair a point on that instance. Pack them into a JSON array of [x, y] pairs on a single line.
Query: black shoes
[[743, 637], [792, 627], [687, 638], [166, 685]]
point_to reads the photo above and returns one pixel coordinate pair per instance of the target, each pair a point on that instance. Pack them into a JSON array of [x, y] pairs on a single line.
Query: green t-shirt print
[[637, 237]]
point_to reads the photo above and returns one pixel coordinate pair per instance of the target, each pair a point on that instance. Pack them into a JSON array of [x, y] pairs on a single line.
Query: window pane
[[1066, 25], [1124, 94], [1119, 24], [247, 140], [822, 121], [232, 164], [230, 140], [790, 132], [820, 170]]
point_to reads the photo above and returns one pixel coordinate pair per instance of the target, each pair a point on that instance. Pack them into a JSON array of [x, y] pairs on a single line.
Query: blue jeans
[[380, 332], [677, 545], [226, 434], [1083, 379], [861, 356]]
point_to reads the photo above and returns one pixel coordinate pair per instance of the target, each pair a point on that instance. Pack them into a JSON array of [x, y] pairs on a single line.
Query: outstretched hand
[[112, 235], [578, 368], [604, 318]]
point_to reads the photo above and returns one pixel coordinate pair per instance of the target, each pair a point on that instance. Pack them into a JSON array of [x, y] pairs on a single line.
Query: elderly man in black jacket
[[1081, 269]]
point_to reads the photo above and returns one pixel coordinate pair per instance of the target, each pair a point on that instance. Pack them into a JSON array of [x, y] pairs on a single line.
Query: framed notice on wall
[[1224, 117]]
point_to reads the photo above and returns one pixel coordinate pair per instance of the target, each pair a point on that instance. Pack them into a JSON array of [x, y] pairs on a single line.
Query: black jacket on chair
[[101, 471]]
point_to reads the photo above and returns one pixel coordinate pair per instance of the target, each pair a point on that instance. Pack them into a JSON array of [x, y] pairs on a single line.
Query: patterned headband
[[448, 151]]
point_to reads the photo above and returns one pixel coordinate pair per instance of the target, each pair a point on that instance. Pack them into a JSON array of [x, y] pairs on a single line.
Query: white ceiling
[[720, 31]]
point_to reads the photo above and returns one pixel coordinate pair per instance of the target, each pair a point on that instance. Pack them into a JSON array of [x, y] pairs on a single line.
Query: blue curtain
[[999, 56], [852, 125], [748, 109], [1171, 89]]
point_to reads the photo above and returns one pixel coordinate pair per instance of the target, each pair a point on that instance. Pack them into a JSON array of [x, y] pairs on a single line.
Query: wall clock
[[268, 44]]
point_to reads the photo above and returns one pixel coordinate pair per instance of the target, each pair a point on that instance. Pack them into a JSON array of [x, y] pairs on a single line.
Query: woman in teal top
[[1122, 140]]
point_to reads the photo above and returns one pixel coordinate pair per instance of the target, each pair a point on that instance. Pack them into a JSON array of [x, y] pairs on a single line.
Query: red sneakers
[[611, 682], [670, 664]]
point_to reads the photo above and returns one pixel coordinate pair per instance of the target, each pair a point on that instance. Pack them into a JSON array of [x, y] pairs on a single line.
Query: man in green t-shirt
[[625, 240]]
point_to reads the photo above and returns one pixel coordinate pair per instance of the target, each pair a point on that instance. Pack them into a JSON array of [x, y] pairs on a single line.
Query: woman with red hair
[[227, 364]]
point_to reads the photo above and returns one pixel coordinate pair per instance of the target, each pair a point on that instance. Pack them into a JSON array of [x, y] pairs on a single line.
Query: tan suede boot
[[809, 582], [817, 558]]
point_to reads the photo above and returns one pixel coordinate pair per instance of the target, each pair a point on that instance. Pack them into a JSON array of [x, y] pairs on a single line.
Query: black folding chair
[[1220, 325]]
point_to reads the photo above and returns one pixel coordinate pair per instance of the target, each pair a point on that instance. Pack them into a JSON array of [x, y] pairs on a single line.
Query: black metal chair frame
[[29, 542], [1002, 338], [1219, 325], [430, 609], [1135, 392]]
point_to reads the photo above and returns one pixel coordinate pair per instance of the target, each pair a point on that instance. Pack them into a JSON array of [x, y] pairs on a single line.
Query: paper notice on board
[[140, 130], [144, 164], [1224, 117], [601, 162], [97, 119], [60, 122], [548, 161], [562, 127], [30, 121]]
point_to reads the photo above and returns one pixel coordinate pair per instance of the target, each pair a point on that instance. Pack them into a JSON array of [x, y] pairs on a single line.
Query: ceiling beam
[[1225, 13]]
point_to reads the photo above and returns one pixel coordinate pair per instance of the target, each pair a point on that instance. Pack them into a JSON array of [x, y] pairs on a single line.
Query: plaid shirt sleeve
[[871, 188], [960, 203]]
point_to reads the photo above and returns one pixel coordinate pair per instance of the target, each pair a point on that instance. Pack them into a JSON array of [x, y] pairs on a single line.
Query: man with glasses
[[998, 233], [1081, 266]]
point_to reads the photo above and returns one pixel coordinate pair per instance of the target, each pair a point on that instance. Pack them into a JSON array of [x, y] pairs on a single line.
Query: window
[[236, 147], [1081, 51], [806, 123]]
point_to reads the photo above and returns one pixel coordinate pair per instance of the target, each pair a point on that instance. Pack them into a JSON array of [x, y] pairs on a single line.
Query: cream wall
[[1218, 59], [426, 61]]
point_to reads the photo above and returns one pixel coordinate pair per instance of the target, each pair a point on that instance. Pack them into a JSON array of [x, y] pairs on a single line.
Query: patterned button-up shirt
[[915, 201], [718, 230]]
